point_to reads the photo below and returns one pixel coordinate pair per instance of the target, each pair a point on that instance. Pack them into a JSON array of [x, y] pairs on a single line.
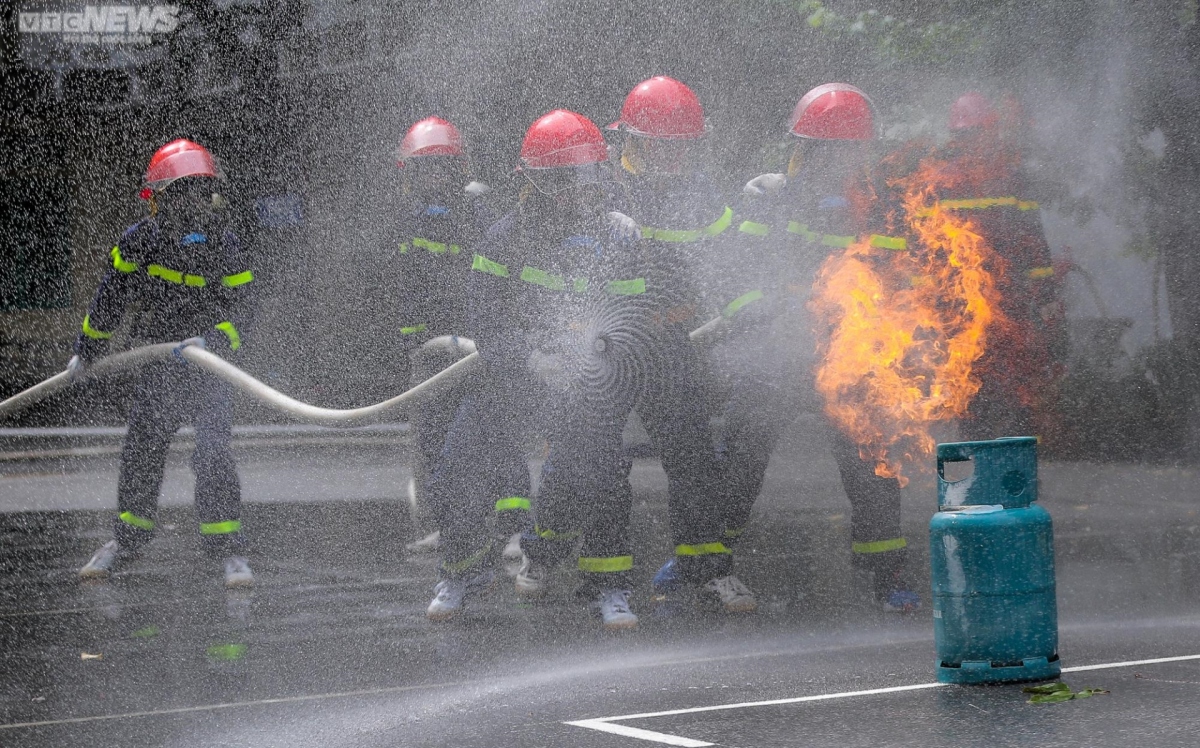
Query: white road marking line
[[633, 732], [605, 724]]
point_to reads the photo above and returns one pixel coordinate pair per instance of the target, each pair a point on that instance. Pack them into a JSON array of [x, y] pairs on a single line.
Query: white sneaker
[[427, 544], [237, 572], [530, 580], [104, 561], [613, 606], [512, 556], [449, 595], [730, 594]]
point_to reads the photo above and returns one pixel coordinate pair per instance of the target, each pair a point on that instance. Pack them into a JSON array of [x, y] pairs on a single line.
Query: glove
[[623, 228], [76, 368], [197, 341], [477, 189], [765, 184]]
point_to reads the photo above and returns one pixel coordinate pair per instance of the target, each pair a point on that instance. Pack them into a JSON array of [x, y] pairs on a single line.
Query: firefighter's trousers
[[674, 411], [166, 396], [483, 469], [763, 401], [585, 497]]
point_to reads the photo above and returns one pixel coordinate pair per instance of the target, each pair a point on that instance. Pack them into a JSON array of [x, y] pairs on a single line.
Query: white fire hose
[[439, 383]]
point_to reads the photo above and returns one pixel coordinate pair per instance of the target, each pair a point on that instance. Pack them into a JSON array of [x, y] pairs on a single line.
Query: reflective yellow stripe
[[119, 263], [734, 306], [92, 332], [413, 329], [437, 248], [231, 332], [176, 277], [754, 228], [220, 528], [980, 203], [468, 562], [1040, 273], [703, 549], [631, 287], [832, 240], [733, 534], [139, 522], [879, 546], [240, 279], [609, 565], [552, 535], [579, 285], [484, 265], [680, 237], [226, 652], [801, 229], [512, 502], [542, 278], [888, 242], [403, 248]]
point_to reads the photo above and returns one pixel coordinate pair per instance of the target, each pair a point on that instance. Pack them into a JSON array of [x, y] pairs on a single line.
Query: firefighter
[[440, 219], [682, 218], [988, 183], [525, 277], [792, 223], [191, 278]]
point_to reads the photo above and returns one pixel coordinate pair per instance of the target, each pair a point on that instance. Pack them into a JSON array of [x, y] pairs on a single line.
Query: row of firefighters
[[580, 300]]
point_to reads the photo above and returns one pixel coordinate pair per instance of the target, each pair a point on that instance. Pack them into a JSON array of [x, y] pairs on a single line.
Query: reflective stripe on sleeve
[[701, 549], [833, 240], [610, 565], [484, 265], [120, 263], [239, 279], [802, 230], [221, 528], [734, 306], [513, 503], [880, 241], [579, 285], [631, 287], [542, 278], [673, 236], [437, 248], [879, 546], [231, 332], [980, 203], [754, 228], [133, 520], [176, 277], [1040, 273], [92, 332], [413, 329]]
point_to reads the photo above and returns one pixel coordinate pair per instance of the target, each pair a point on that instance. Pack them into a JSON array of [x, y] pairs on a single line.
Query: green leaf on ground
[[149, 632], [1051, 698], [1058, 692], [1048, 688]]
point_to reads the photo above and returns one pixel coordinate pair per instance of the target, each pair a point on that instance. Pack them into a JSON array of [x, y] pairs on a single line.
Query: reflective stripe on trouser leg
[[512, 515], [218, 491], [875, 532]]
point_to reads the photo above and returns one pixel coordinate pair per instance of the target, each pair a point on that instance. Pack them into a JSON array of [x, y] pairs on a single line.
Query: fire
[[904, 329]]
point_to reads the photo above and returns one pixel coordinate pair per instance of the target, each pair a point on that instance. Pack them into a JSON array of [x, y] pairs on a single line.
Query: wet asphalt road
[[331, 648]]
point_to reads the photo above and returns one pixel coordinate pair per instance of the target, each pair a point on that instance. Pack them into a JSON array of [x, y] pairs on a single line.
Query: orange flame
[[904, 329]]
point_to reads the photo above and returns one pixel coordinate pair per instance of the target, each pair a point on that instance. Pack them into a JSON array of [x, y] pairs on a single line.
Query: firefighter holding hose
[[191, 279]]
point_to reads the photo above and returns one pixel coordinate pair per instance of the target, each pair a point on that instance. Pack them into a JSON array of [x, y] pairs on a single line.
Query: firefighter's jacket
[[531, 287], [190, 285], [434, 244]]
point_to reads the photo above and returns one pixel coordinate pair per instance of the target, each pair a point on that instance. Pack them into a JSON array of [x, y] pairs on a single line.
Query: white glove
[[197, 341], [765, 184], [75, 368], [623, 228], [477, 189]]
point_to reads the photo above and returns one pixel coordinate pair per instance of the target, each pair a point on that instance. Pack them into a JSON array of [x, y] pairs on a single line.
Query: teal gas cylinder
[[991, 553]]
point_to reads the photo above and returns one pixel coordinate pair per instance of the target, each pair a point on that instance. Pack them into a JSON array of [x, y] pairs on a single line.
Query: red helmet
[[562, 138], [972, 109], [664, 108], [834, 111], [178, 159], [431, 136]]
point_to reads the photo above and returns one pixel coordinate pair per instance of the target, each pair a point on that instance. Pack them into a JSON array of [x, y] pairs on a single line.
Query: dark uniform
[[769, 359], [190, 285], [532, 292], [680, 229]]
